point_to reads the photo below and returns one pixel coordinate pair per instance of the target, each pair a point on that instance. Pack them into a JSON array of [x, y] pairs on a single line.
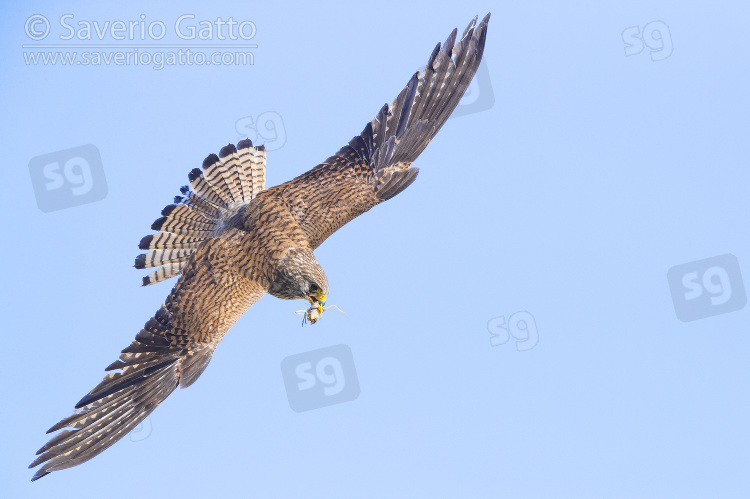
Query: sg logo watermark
[[267, 129], [520, 326], [320, 378], [655, 35], [68, 178], [142, 431], [707, 287]]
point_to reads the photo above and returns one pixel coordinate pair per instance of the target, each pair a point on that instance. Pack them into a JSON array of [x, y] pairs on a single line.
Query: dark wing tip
[[158, 223], [86, 400], [118, 364], [469, 29], [210, 160], [481, 30], [97, 394], [244, 144], [39, 474], [195, 173], [451, 40], [227, 150], [145, 242], [140, 261], [434, 54], [411, 90], [168, 209]]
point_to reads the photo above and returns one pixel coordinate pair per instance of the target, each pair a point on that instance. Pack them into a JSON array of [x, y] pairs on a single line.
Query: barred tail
[[215, 193]]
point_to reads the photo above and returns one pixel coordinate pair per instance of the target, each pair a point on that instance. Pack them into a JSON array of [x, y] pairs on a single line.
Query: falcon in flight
[[231, 241]]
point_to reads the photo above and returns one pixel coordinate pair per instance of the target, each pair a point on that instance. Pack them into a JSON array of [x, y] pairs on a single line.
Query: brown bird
[[232, 241]]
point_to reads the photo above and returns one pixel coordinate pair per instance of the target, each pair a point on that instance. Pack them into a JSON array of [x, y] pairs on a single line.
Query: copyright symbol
[[37, 27]]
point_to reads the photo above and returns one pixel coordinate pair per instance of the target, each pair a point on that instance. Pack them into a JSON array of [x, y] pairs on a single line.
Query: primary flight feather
[[231, 240]]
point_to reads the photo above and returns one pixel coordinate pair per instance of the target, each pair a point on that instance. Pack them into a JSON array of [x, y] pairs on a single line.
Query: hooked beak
[[318, 300]]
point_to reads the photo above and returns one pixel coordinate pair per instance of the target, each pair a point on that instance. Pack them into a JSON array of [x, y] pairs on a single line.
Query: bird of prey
[[231, 240]]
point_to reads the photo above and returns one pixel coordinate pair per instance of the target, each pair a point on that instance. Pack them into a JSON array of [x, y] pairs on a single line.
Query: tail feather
[[253, 161], [166, 240], [166, 271], [245, 155], [259, 170], [214, 174], [227, 182], [198, 204], [158, 257], [203, 188], [183, 213], [232, 171], [181, 228]]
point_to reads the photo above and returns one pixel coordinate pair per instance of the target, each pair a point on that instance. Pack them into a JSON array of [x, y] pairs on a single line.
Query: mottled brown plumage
[[231, 241]]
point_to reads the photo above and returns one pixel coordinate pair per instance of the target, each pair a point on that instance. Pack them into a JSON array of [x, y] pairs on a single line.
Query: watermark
[[521, 326], [155, 59], [478, 96], [707, 287], [68, 178], [68, 41], [142, 431], [267, 129], [185, 27], [320, 378], [655, 36]]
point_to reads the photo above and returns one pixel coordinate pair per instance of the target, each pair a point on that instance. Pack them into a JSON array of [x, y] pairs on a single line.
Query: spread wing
[[376, 165], [173, 348]]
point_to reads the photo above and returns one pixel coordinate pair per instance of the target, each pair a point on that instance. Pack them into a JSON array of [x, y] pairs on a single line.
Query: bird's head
[[300, 276]]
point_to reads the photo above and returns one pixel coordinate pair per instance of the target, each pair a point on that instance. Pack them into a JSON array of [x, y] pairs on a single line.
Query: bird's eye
[[314, 287]]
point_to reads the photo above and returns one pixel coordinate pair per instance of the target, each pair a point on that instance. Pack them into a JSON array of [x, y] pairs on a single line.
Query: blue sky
[[512, 327]]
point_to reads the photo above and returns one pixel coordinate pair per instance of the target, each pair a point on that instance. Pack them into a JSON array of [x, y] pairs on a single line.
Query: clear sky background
[[604, 146]]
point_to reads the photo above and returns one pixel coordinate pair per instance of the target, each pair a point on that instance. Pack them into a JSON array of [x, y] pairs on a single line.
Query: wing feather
[[376, 165], [172, 350], [176, 345]]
